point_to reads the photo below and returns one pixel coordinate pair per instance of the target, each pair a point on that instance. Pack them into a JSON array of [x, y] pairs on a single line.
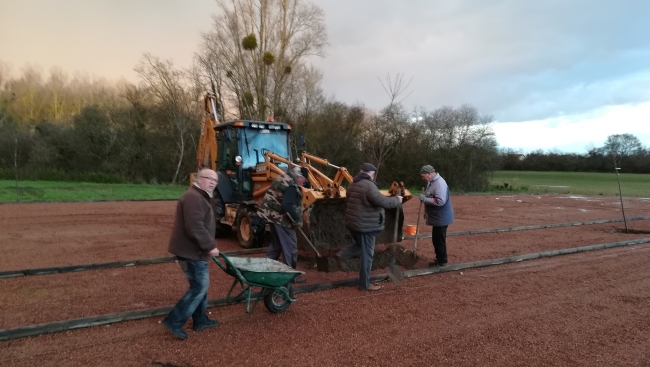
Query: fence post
[[620, 195], [16, 169]]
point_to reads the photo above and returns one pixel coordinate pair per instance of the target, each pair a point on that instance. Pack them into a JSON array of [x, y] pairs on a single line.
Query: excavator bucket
[[325, 225], [389, 228]]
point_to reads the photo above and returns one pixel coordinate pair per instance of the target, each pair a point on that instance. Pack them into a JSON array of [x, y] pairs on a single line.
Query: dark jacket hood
[[362, 176]]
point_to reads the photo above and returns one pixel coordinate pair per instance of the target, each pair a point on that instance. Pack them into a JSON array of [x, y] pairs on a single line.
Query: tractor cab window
[[227, 146], [254, 143]]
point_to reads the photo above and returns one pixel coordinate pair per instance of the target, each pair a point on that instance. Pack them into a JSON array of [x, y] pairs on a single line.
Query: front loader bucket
[[326, 226], [389, 227]]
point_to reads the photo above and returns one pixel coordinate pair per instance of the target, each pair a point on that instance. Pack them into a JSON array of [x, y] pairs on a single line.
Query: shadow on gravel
[[632, 231], [170, 364]]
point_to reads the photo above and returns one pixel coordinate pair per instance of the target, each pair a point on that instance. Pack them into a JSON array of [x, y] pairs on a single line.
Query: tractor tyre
[[218, 206], [248, 230], [222, 230]]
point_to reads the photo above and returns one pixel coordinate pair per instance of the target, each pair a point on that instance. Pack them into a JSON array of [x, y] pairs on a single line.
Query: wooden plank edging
[[53, 327]]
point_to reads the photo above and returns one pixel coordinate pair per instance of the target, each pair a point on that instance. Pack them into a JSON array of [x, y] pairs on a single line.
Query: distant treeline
[[65, 129], [623, 151]]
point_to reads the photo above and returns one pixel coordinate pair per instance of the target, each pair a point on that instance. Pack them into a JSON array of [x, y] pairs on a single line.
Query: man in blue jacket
[[437, 211], [365, 218]]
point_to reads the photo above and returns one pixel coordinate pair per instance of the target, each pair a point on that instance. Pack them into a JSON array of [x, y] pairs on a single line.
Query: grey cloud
[[517, 60]]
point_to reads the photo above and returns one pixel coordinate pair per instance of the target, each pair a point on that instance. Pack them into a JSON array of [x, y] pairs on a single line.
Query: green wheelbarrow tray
[[268, 274]]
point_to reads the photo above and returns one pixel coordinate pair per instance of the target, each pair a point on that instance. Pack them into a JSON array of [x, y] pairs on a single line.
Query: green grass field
[[44, 191], [583, 183], [517, 181]]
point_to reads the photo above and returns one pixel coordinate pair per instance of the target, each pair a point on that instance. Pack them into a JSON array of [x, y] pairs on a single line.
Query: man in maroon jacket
[[193, 243]]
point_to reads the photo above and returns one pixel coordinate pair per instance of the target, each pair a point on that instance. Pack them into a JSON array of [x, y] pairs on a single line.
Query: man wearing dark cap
[[437, 211], [365, 217]]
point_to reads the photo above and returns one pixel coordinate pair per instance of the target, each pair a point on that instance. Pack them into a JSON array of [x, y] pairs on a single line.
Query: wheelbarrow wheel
[[275, 301]]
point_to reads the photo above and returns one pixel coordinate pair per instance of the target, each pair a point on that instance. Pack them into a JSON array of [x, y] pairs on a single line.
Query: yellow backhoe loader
[[248, 155]]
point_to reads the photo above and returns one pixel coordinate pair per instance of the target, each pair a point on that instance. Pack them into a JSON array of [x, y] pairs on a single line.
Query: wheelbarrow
[[270, 275]]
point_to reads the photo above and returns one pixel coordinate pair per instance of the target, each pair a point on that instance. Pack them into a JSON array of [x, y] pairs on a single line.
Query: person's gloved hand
[[423, 197], [296, 225]]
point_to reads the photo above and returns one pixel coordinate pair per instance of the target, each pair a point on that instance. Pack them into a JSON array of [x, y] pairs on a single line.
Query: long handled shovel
[[321, 262], [394, 272], [304, 236], [417, 231], [410, 262]]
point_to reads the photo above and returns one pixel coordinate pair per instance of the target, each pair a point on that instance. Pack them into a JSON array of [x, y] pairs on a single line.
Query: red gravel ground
[[589, 309]]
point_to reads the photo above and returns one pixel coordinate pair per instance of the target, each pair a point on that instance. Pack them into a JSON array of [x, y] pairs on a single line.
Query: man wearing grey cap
[[365, 218], [437, 211]]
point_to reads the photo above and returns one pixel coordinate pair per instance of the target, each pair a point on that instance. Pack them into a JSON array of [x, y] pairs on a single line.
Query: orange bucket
[[411, 229]]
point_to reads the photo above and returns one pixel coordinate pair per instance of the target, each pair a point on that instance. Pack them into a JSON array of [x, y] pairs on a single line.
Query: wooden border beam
[[53, 327]]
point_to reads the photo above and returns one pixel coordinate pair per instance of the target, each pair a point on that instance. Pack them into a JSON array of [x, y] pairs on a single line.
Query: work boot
[[436, 263], [177, 332], [205, 325], [373, 288]]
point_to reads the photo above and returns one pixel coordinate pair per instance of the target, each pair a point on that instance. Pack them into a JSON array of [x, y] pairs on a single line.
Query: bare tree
[[619, 146], [257, 45], [5, 73], [28, 95], [57, 94], [383, 132], [395, 86], [175, 98], [460, 135]]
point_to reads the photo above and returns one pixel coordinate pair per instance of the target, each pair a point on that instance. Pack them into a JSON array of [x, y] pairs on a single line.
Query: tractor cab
[[241, 146]]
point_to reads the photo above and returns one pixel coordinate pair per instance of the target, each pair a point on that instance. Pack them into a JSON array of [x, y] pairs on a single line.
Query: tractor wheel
[[218, 206], [250, 229], [222, 231], [245, 229]]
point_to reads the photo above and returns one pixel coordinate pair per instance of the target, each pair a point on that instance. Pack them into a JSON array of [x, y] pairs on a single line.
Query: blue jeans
[[364, 245], [195, 300]]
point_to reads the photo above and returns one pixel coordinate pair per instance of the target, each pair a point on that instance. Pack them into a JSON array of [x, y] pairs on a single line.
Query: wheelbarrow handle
[[228, 265], [218, 263]]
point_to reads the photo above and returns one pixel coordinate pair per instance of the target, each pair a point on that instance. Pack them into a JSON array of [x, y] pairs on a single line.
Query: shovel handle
[[298, 229], [417, 227], [396, 223], [308, 241]]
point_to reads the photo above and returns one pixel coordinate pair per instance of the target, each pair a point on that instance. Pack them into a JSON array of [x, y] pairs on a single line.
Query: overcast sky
[[559, 75]]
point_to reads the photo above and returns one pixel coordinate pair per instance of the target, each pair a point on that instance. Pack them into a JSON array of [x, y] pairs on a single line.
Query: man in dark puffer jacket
[[365, 218]]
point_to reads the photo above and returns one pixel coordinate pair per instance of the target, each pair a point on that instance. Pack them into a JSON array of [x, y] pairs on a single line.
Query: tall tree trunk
[[180, 158]]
